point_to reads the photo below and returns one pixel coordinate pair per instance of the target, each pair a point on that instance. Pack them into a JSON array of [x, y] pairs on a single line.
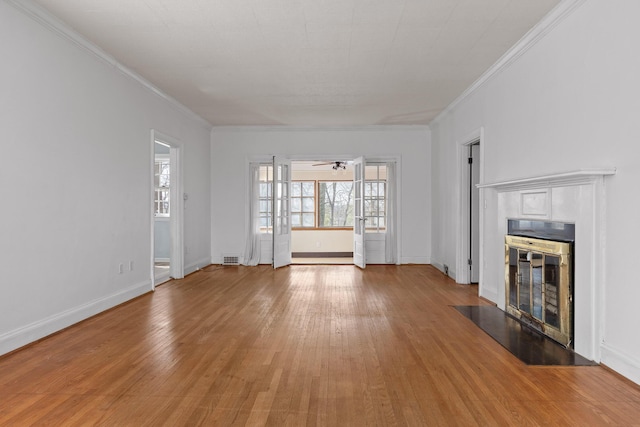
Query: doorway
[[322, 212], [161, 212], [474, 212], [167, 249], [303, 212], [469, 252]]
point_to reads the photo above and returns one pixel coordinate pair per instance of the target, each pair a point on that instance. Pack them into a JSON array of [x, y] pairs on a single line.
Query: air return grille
[[228, 259]]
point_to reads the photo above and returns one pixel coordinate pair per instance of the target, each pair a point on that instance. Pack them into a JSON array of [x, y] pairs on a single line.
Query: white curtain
[[252, 248], [390, 245]]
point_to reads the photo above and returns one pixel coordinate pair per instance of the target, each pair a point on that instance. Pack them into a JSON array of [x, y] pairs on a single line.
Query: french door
[[359, 219], [281, 212]]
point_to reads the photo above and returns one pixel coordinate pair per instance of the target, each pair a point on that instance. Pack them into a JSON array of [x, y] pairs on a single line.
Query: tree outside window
[[335, 204]]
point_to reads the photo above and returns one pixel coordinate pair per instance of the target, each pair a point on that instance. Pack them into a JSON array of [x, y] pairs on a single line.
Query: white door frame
[[176, 219], [463, 273]]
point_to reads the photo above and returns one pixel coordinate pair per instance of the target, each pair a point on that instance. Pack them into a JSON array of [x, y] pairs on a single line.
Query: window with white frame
[[265, 198], [303, 204], [162, 183], [375, 192]]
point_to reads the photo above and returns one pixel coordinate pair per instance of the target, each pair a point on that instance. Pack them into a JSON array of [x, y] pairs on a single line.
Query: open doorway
[[161, 212], [322, 212], [319, 212], [474, 212], [469, 244], [167, 250]]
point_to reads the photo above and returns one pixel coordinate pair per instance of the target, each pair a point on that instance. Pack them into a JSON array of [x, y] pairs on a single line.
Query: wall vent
[[228, 259]]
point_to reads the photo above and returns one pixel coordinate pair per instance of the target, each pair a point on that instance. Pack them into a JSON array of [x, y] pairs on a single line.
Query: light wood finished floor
[[303, 345]]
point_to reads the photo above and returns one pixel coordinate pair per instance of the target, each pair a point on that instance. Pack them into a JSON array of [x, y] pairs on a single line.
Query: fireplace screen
[[538, 285]]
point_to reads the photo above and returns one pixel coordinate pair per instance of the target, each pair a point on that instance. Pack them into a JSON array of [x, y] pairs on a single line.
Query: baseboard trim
[[414, 260], [438, 265], [35, 331], [617, 360], [321, 254], [195, 266]]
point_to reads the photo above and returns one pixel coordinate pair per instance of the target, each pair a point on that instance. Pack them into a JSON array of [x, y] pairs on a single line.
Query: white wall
[[232, 148], [569, 102], [76, 180]]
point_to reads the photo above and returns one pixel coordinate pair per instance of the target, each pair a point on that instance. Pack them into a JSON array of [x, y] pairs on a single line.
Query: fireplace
[[539, 276]]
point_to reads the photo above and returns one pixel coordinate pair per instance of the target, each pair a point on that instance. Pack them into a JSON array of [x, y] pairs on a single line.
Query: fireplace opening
[[539, 276]]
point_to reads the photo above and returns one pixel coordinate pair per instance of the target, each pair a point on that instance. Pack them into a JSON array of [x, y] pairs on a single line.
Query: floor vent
[[230, 260]]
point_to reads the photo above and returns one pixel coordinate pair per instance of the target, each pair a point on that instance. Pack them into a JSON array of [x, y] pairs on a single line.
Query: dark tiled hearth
[[526, 344]]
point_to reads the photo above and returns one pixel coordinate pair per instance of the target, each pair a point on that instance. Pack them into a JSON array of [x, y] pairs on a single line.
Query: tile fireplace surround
[[572, 197]]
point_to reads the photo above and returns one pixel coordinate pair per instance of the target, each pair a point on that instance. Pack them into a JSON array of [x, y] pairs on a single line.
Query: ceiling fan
[[336, 165]]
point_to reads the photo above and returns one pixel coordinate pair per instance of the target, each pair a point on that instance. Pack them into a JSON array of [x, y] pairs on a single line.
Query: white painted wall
[[231, 149], [569, 102], [76, 180]]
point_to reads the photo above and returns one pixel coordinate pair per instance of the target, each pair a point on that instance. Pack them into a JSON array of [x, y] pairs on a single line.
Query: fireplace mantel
[[578, 177], [576, 197]]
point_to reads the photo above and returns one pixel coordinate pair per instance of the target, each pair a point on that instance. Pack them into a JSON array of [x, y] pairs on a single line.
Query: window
[[266, 191], [375, 192], [335, 204], [303, 201], [162, 181], [327, 204], [374, 198]]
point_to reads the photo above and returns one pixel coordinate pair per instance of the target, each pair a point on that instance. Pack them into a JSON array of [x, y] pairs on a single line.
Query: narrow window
[[375, 192], [303, 202], [162, 183], [265, 198]]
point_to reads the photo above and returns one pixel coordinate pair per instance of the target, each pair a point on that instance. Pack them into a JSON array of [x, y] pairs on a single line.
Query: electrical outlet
[[130, 265], [446, 269], [121, 268]]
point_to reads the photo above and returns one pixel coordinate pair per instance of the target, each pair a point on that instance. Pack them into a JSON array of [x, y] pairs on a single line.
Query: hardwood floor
[[302, 345]]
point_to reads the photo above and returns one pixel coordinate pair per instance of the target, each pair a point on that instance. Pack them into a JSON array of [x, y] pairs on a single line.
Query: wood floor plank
[[300, 346]]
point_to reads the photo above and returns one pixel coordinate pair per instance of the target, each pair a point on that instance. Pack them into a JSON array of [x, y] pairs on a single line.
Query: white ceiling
[[306, 62]]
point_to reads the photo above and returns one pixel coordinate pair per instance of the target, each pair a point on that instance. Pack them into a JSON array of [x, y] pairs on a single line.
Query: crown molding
[[564, 9], [43, 17], [283, 128]]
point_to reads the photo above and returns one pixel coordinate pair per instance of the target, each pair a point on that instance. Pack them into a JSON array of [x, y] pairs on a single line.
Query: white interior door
[[359, 219], [281, 212], [474, 224]]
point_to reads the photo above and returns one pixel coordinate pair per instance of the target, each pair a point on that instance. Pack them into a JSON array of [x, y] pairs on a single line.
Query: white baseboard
[[414, 260], [20, 337], [624, 364], [489, 295], [438, 265], [195, 266]]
